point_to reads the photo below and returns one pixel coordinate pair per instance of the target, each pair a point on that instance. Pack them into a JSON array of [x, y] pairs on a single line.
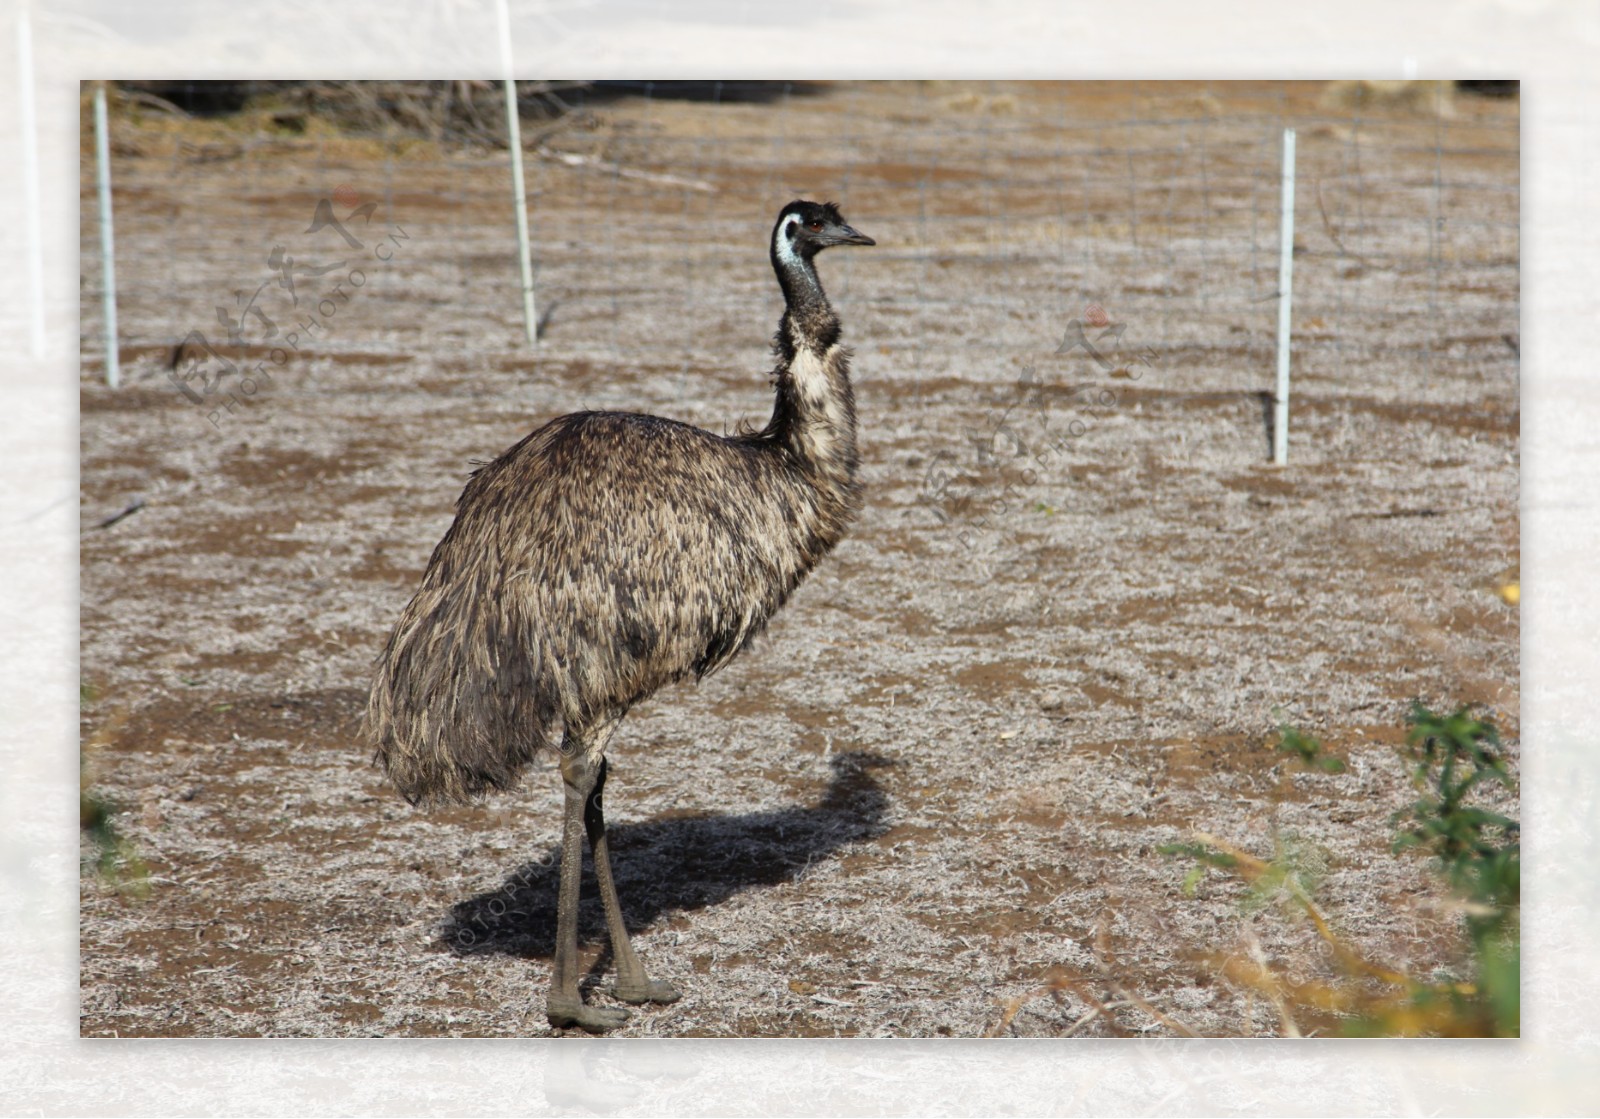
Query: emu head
[[804, 229]]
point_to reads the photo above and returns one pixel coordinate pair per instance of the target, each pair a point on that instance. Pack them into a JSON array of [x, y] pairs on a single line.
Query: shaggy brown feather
[[608, 554]]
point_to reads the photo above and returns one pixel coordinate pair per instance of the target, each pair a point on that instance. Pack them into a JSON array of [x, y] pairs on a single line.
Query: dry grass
[[938, 787], [1425, 99]]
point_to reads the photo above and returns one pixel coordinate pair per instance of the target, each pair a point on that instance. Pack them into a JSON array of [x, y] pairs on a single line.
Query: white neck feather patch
[[784, 243]]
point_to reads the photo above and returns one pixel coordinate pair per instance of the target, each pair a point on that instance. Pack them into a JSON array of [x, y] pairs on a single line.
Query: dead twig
[[1166, 1020], [151, 101], [1271, 987], [1053, 986], [1251, 868], [1327, 227], [1094, 1012], [589, 162], [115, 517]]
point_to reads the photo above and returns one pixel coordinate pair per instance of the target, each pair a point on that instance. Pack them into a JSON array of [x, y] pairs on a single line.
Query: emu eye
[[814, 226]]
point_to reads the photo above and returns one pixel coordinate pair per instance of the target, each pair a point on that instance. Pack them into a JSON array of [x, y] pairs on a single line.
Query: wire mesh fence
[[1077, 597], [1005, 210]]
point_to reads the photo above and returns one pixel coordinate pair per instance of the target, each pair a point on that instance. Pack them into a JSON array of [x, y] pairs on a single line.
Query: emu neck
[[803, 297], [814, 415]]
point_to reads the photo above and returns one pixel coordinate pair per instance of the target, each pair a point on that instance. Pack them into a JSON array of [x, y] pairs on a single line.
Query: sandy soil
[[1056, 639]]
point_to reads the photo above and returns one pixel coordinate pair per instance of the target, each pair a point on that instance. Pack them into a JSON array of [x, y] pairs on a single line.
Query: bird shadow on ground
[[671, 865]]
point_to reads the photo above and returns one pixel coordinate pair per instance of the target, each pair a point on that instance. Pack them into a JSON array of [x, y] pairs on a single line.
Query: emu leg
[[565, 1006], [633, 985]]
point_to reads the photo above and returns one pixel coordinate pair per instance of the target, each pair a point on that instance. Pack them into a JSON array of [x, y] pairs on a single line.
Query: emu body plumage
[[606, 555]]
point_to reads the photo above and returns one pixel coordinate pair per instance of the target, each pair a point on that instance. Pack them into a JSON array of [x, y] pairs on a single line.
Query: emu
[[606, 555]]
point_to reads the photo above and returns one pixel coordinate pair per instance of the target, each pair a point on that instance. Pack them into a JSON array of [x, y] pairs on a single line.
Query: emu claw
[[594, 1019], [653, 990]]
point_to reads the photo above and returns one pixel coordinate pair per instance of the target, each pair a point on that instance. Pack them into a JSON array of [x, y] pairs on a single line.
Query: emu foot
[[564, 1014], [651, 990]]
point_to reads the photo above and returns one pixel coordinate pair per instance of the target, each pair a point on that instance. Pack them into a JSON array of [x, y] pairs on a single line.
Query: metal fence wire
[[1078, 597], [1004, 212]]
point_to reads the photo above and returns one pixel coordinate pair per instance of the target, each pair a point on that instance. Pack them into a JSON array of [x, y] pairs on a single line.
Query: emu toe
[[595, 1019], [652, 990]]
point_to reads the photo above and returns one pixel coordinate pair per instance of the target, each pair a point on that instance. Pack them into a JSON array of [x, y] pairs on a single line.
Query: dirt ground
[[1074, 609]]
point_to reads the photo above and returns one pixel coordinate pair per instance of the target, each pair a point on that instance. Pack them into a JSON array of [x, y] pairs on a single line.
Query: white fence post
[[530, 318], [1280, 427], [108, 268]]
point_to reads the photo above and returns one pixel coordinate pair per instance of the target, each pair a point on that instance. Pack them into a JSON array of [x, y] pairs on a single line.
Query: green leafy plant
[[109, 853], [1477, 850], [1477, 853], [1307, 750], [113, 856]]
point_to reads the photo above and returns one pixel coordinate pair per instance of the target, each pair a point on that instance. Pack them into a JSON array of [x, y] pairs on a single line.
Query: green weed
[[108, 853], [1476, 852]]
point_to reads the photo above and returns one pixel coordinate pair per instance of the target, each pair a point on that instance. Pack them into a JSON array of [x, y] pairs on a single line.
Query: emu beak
[[844, 235]]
